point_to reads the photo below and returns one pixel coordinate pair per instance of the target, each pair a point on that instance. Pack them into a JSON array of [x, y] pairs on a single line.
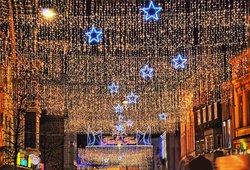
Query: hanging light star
[[163, 116], [94, 35], [130, 123], [119, 108], [179, 62], [106, 160], [151, 12], [147, 72], [132, 98], [119, 158], [121, 118], [113, 88], [119, 128]]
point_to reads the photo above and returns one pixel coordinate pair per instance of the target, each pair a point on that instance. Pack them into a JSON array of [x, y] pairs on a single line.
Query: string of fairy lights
[[71, 75]]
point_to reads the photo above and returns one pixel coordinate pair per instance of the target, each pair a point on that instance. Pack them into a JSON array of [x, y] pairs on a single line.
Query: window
[[240, 110], [209, 142], [204, 115], [198, 117], [1, 119], [248, 107], [218, 141], [229, 132], [209, 113], [215, 111]]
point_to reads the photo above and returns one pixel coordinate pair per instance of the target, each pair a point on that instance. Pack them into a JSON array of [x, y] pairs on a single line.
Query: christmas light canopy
[[146, 72], [132, 98], [179, 62], [151, 12], [94, 35], [113, 88]]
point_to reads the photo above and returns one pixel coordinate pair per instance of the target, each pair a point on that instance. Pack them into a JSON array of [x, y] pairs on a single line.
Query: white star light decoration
[[114, 88], [119, 158], [94, 35], [179, 62], [119, 128], [163, 116], [119, 108], [132, 98], [106, 160], [147, 72], [130, 123], [151, 11]]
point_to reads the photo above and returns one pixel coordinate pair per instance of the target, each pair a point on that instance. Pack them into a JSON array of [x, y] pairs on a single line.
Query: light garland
[[57, 64]]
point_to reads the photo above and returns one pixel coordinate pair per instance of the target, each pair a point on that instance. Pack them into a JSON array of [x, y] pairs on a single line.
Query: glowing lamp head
[[48, 13]]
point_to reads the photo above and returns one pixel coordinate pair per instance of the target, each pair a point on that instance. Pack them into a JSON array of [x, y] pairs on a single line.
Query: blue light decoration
[[119, 109], [93, 139], [121, 118], [163, 116], [143, 138], [24, 162], [94, 35], [179, 62], [151, 12], [130, 122], [119, 128], [147, 72], [113, 88], [119, 158], [132, 98]]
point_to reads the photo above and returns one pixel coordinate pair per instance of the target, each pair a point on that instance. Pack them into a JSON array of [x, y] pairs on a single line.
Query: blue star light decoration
[[119, 128], [94, 35], [151, 12], [119, 108], [163, 116], [114, 88], [119, 158], [132, 98], [130, 122], [147, 72], [106, 160], [179, 62]]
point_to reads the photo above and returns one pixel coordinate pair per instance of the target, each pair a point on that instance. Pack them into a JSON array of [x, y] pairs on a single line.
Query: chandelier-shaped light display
[[69, 76]]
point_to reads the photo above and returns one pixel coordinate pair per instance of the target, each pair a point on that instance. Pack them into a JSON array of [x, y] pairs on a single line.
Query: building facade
[[241, 101]]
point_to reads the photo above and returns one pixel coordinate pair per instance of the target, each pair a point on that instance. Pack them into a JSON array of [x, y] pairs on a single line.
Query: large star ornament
[[132, 98], [119, 128], [147, 72], [179, 62], [113, 88], [94, 35], [119, 108], [151, 11]]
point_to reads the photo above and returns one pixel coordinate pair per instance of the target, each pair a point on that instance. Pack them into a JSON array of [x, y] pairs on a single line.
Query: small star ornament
[[106, 160], [132, 98], [163, 116], [119, 128], [147, 72], [151, 12], [121, 118], [130, 123], [119, 108], [119, 158], [113, 88], [179, 62], [94, 35]]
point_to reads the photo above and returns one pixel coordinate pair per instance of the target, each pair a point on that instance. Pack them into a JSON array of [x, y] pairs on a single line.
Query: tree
[[14, 131]]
